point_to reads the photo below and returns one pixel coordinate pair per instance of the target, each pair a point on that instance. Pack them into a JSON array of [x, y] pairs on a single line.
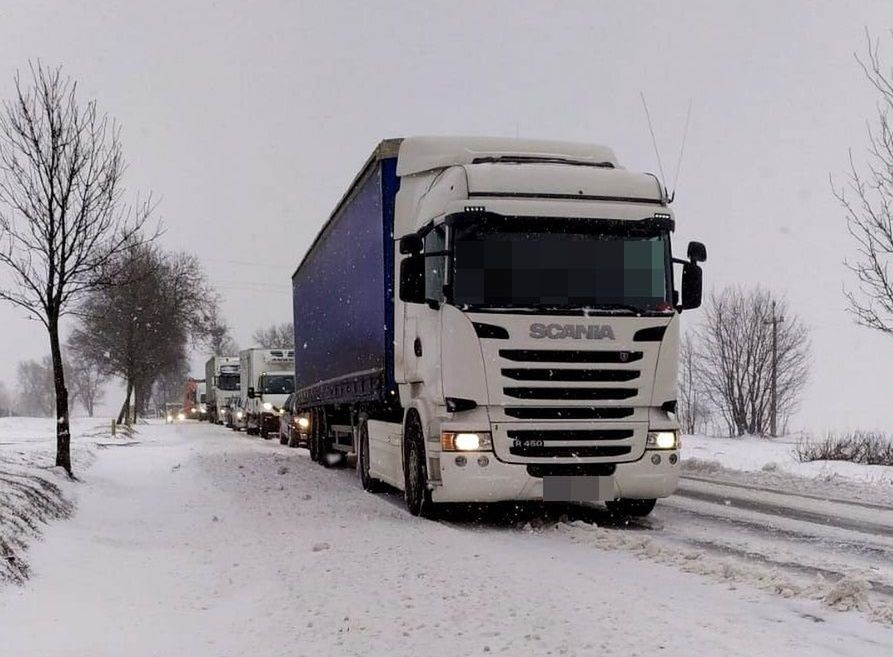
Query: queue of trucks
[[484, 320]]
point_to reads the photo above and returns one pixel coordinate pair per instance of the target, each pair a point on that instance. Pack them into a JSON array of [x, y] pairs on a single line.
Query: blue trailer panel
[[344, 294]]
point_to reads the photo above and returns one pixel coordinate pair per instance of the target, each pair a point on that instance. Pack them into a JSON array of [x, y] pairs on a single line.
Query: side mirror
[[412, 279], [697, 252], [692, 285], [411, 244], [251, 390]]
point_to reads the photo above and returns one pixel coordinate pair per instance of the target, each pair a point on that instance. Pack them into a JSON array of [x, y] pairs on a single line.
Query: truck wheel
[[262, 430], [370, 484], [283, 437], [292, 439], [319, 437], [635, 508], [415, 472]]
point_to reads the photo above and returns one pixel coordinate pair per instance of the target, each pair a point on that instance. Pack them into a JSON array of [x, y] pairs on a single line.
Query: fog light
[[655, 458], [483, 461], [673, 459], [461, 461]]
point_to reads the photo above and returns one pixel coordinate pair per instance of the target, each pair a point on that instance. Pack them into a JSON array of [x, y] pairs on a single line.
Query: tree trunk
[[124, 415], [63, 427]]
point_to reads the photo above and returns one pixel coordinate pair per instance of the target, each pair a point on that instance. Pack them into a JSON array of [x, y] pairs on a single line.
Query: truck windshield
[[228, 382], [279, 384], [561, 265]]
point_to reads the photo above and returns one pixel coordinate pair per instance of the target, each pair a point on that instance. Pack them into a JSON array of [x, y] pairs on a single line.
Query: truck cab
[[267, 378], [538, 348]]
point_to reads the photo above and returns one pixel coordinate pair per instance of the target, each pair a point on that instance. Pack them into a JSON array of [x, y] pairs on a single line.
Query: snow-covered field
[[754, 454], [199, 541]]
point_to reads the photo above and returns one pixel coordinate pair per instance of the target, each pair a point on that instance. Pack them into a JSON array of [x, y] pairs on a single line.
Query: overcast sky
[[249, 119]]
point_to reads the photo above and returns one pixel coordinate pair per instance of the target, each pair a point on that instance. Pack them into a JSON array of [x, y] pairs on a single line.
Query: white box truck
[[267, 378], [222, 379], [495, 319]]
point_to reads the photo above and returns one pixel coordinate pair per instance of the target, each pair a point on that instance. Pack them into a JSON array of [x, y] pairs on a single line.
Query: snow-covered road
[[198, 541]]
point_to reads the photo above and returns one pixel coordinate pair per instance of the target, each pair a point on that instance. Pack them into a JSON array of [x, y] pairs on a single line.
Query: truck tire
[[634, 508], [415, 471], [312, 443], [292, 439], [370, 483]]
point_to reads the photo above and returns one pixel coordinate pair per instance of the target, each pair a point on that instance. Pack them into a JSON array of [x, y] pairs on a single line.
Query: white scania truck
[[222, 378], [266, 378], [494, 319]]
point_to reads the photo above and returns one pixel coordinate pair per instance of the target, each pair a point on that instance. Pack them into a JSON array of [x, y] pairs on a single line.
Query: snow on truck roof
[[419, 154]]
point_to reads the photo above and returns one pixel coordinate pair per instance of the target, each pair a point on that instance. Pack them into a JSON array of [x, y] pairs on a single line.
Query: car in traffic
[[293, 427]]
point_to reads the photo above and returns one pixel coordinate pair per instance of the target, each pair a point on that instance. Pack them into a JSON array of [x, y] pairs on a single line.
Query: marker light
[[466, 441], [662, 440]]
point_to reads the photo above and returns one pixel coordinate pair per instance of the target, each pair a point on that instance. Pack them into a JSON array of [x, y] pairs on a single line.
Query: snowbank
[[752, 454], [32, 492]]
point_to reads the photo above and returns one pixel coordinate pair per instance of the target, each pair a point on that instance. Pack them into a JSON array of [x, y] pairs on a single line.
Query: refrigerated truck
[[266, 380], [487, 319], [222, 378]]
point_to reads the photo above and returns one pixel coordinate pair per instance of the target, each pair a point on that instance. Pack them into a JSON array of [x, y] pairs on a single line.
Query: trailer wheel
[[635, 508], [370, 483], [415, 471], [312, 441]]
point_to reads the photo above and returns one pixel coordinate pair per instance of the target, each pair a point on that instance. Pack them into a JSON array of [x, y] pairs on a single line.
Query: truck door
[[421, 340]]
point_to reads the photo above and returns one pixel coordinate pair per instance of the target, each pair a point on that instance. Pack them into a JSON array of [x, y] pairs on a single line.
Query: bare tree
[[219, 340], [61, 218], [5, 400], [692, 409], [87, 381], [36, 395], [867, 199], [139, 329], [275, 336], [735, 359]]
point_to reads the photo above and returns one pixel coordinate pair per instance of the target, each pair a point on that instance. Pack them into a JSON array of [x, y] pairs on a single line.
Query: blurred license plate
[[578, 489]]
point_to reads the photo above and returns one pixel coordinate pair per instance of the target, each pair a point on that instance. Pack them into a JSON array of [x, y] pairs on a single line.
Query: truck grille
[[540, 443], [567, 413], [569, 356], [571, 393], [552, 374]]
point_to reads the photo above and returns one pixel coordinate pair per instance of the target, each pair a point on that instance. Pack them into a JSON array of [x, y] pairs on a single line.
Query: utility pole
[[775, 321]]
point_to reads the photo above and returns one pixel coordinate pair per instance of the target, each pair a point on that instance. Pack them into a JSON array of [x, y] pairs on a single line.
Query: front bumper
[[498, 481]]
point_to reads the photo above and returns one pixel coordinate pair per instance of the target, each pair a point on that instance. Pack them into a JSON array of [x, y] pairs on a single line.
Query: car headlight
[[170, 418], [181, 416], [466, 441], [303, 422], [662, 440], [268, 406]]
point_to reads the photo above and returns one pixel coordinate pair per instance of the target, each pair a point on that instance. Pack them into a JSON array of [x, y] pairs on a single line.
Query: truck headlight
[[238, 415], [662, 440], [181, 416], [303, 422], [466, 441], [268, 406]]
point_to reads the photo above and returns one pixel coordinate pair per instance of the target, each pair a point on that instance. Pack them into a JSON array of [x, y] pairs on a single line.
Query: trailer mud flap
[[577, 489]]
